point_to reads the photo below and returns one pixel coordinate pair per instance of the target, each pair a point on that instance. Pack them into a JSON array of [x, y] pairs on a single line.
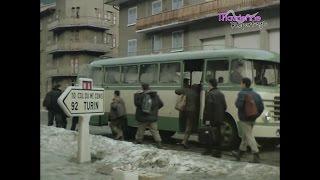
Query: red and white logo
[[86, 85]]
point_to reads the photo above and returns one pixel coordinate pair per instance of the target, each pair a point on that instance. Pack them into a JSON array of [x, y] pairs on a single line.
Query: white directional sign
[[83, 101], [76, 101]]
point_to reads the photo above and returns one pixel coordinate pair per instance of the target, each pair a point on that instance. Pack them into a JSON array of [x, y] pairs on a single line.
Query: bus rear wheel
[[229, 133]]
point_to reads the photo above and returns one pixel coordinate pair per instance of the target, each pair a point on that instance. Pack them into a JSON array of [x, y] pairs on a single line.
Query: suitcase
[[207, 135]]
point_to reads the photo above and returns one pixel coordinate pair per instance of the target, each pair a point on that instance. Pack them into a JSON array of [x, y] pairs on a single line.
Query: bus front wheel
[[166, 135], [229, 133]]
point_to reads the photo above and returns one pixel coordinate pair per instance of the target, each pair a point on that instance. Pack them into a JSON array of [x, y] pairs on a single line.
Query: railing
[[78, 46], [81, 21], [197, 11]]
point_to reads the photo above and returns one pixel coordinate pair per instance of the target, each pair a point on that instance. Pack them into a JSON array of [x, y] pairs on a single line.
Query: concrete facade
[[197, 33], [72, 34]]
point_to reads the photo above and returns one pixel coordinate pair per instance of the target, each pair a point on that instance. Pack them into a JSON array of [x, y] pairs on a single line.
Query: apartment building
[[72, 34], [162, 26]]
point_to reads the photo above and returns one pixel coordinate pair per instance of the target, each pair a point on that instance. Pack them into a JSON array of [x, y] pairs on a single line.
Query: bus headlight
[[267, 116]]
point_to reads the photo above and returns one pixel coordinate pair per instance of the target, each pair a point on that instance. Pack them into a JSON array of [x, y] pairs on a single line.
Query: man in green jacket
[[145, 118]]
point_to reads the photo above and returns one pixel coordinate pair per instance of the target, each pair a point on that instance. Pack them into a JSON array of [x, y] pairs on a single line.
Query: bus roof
[[255, 54]]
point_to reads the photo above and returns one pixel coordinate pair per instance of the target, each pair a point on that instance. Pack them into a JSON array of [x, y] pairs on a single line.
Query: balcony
[[191, 13], [62, 47], [92, 22], [62, 71]]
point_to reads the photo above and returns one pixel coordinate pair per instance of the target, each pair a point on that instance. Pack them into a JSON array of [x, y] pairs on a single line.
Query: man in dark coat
[[214, 112], [246, 124], [147, 119], [55, 112], [188, 115]]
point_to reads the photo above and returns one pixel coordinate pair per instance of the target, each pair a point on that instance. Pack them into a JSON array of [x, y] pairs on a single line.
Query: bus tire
[[130, 133], [166, 135], [229, 133]]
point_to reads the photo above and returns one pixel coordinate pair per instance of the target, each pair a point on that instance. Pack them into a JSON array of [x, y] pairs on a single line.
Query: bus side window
[[112, 75], [97, 76], [219, 70], [129, 74], [170, 73], [148, 73]]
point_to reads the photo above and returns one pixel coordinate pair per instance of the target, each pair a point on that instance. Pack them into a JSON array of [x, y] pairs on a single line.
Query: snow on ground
[[59, 148]]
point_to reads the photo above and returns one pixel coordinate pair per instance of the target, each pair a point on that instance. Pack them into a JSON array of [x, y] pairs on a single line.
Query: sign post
[[83, 101]]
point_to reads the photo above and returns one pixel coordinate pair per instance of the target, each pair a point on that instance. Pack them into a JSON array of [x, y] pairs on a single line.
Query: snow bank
[[146, 158]]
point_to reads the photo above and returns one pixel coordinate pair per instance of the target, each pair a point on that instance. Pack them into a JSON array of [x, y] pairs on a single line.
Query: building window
[[95, 39], [177, 4], [105, 35], [77, 12], [73, 12], [156, 7], [114, 42], [132, 47], [57, 14], [177, 40], [97, 12], [114, 18], [76, 35], [74, 65], [108, 15], [109, 38], [156, 43], [132, 16]]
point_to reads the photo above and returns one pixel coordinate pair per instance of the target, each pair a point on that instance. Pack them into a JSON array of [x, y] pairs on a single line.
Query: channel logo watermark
[[242, 22]]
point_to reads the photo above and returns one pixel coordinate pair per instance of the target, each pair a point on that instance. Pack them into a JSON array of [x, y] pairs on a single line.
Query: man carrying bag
[[214, 111]]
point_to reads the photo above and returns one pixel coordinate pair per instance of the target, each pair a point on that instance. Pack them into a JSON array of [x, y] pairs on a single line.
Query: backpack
[[250, 108], [146, 103], [181, 103]]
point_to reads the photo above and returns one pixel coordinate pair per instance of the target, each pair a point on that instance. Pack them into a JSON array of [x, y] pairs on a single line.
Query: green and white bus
[[165, 73]]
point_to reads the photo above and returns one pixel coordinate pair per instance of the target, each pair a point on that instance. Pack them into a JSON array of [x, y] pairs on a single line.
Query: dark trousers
[[75, 121], [50, 118], [61, 119], [218, 140]]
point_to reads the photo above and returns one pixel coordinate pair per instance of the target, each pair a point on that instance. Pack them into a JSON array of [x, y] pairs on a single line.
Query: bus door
[[193, 70]]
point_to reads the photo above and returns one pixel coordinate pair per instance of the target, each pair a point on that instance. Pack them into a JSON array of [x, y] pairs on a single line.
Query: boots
[[217, 154], [256, 158], [238, 154], [207, 152], [159, 145]]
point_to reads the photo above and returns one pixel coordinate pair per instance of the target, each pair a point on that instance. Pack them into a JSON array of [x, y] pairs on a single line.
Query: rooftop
[[255, 54]]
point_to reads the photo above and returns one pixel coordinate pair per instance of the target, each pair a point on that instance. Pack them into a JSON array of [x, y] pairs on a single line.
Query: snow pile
[[146, 158]]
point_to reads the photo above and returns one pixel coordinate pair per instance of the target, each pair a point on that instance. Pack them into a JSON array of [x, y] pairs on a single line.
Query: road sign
[[76, 101], [83, 101]]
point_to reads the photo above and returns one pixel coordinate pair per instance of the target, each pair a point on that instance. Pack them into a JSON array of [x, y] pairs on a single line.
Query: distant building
[[72, 34], [161, 26]]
